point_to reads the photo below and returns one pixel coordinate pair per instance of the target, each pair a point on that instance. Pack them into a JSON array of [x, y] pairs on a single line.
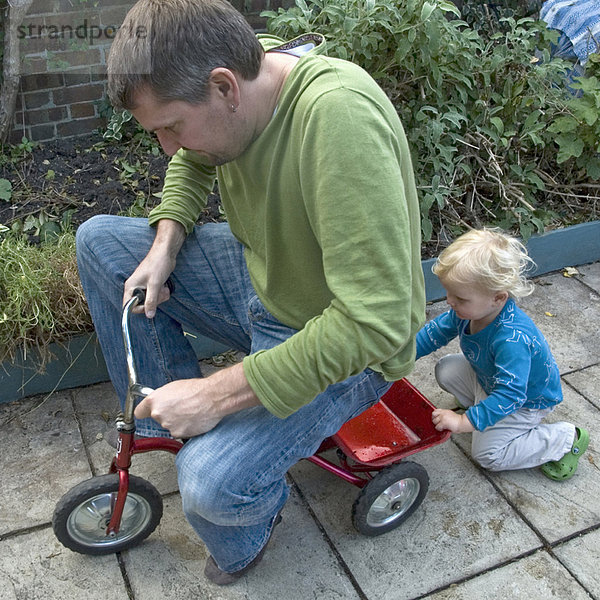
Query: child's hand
[[448, 419]]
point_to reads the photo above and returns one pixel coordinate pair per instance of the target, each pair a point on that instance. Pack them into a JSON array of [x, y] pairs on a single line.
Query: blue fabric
[[580, 22], [511, 358], [232, 478]]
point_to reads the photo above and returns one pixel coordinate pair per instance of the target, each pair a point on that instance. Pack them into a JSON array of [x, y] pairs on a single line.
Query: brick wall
[[64, 45]]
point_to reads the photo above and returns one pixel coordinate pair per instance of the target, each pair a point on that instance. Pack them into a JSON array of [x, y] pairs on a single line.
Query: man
[[316, 276]]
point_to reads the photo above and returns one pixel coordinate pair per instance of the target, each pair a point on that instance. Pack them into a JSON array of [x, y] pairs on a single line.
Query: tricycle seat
[[397, 426]]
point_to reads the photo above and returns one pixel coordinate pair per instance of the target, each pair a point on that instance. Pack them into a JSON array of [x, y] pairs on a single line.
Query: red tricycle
[[116, 511]]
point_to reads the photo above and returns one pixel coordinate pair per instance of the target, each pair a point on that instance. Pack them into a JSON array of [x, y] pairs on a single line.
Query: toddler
[[506, 378]]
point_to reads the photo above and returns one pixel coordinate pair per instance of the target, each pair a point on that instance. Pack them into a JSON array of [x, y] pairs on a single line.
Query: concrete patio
[[477, 534]]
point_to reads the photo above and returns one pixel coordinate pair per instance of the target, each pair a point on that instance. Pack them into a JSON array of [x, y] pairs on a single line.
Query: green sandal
[[565, 468]]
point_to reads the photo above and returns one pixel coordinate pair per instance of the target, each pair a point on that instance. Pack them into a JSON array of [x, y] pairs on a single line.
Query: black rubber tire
[[82, 514], [390, 498]]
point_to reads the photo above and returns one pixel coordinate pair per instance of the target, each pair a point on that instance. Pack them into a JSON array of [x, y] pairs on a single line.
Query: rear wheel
[[390, 498], [82, 515]]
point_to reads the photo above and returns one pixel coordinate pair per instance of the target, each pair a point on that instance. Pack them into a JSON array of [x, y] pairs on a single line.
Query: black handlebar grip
[[140, 294]]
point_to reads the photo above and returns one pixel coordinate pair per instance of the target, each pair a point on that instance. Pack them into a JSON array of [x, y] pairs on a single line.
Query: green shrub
[[577, 127], [479, 111]]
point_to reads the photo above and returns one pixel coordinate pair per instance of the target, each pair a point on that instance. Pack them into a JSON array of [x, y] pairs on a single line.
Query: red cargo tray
[[397, 426]]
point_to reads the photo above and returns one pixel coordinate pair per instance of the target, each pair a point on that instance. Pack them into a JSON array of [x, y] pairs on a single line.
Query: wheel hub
[[393, 502]]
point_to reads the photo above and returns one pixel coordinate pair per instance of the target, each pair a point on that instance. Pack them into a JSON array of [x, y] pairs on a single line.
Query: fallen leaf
[[549, 314], [570, 271]]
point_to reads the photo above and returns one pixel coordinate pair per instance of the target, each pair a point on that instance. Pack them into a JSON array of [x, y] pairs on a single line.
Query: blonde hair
[[489, 259]]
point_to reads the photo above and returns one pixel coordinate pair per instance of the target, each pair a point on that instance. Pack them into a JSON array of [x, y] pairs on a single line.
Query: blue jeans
[[232, 478]]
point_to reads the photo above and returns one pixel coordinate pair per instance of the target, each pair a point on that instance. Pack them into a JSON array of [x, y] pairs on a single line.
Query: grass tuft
[[41, 299]]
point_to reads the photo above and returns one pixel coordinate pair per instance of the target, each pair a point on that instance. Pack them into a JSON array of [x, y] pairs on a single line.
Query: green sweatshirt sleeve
[[187, 184], [359, 193]]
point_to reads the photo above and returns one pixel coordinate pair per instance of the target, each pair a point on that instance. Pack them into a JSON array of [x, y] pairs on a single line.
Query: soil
[[82, 177]]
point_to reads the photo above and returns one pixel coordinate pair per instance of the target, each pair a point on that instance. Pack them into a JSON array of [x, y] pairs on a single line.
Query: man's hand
[[152, 273], [448, 419], [181, 407], [190, 407]]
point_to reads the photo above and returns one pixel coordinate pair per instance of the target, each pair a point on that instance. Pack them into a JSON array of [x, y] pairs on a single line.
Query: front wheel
[[390, 498], [82, 515]]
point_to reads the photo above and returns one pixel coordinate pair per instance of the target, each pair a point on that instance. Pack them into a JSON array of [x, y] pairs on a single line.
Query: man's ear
[[225, 84]]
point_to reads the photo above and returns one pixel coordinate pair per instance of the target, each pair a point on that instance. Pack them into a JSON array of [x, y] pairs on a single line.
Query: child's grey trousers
[[519, 440]]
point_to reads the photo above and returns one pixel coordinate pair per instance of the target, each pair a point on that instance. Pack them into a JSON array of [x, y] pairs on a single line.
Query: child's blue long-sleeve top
[[511, 358]]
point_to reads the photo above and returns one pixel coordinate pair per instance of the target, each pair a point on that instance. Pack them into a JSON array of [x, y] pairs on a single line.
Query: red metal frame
[[396, 427], [127, 446]]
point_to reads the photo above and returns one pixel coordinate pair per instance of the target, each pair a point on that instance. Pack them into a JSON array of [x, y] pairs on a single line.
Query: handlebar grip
[[140, 294]]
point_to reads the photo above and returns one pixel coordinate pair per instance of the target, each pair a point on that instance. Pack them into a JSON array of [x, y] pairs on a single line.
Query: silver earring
[[233, 108]]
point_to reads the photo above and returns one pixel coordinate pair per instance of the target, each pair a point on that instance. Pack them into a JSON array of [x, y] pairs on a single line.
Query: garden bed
[[67, 181]]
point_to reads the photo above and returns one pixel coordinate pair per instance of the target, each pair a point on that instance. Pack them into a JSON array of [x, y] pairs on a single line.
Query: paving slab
[[538, 576], [556, 509], [590, 275], [42, 457], [587, 383], [573, 307], [298, 564], [440, 543], [581, 556], [34, 566]]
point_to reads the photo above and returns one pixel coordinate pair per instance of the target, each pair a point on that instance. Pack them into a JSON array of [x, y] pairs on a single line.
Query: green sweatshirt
[[324, 202]]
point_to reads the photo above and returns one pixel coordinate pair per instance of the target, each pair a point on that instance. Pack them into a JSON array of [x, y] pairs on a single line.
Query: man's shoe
[[216, 575]]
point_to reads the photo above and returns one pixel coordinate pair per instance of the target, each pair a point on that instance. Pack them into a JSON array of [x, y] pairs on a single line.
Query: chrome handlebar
[[135, 389]]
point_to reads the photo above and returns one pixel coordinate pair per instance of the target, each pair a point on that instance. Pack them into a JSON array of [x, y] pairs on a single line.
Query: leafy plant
[[123, 130], [55, 63], [578, 128], [477, 108], [116, 123], [18, 152], [5, 190], [41, 225]]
